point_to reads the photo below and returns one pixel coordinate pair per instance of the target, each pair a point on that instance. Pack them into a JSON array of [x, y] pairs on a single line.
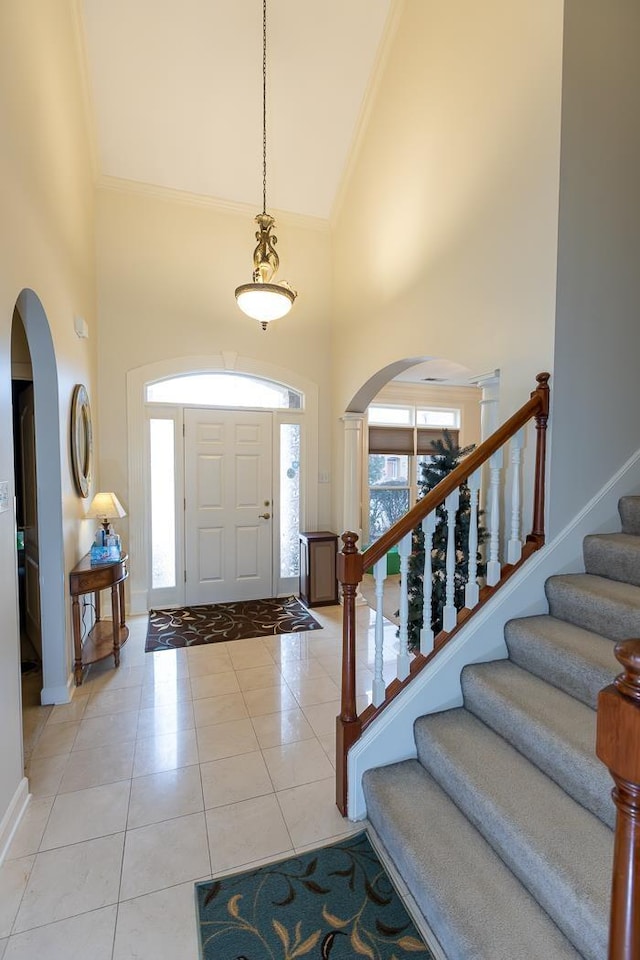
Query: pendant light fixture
[[262, 299]]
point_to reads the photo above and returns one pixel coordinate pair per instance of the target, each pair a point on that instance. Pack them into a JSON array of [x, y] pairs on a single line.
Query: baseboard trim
[[11, 820], [59, 694]]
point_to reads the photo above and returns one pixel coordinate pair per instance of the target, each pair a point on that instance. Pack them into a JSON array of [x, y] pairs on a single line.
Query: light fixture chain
[[264, 106]]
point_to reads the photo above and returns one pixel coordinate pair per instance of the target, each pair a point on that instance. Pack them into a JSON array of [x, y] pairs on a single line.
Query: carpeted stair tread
[[475, 906], [629, 510], [575, 660], [613, 555], [595, 603], [549, 727], [558, 850]]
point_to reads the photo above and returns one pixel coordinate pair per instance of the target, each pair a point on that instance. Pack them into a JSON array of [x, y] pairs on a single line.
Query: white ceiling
[[176, 93]]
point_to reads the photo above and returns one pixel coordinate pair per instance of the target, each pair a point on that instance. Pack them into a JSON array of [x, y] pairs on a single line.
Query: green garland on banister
[[446, 457]]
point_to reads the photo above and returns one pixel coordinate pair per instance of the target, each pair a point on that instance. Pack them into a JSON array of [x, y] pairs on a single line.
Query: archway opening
[[47, 499]]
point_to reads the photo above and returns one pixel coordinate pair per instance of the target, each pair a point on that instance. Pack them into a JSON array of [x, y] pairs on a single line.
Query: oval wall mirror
[[81, 439]]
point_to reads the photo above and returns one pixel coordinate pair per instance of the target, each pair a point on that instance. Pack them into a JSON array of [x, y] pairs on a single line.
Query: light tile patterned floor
[[179, 766]]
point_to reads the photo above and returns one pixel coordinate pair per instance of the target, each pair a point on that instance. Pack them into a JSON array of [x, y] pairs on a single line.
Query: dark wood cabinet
[[318, 583]]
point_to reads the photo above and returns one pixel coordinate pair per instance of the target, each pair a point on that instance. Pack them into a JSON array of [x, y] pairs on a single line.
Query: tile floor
[[179, 766]]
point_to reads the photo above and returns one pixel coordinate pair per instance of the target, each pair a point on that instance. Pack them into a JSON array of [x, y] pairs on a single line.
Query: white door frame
[[137, 380]]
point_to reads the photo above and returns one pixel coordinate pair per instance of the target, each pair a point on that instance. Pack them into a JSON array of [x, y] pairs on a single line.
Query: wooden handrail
[[351, 563], [537, 406], [618, 746]]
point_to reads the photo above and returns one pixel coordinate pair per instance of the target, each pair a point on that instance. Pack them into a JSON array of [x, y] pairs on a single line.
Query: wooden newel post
[[618, 746], [541, 391], [348, 724]]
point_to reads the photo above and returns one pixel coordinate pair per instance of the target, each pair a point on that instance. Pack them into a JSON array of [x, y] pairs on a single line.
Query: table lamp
[[106, 507]]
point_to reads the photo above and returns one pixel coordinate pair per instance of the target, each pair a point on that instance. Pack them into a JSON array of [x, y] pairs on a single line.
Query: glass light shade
[[265, 301], [106, 506]]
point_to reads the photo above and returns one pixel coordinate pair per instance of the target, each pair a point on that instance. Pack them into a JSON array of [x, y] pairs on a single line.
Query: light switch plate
[[4, 496]]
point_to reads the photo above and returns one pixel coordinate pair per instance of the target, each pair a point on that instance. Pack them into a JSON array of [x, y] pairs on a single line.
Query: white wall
[[168, 266], [46, 245], [445, 240], [595, 397]]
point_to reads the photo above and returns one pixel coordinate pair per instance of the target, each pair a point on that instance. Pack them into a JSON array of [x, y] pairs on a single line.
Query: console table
[[105, 637]]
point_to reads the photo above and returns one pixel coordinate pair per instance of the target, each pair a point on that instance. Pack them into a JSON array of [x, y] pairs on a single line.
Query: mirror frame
[[81, 440]]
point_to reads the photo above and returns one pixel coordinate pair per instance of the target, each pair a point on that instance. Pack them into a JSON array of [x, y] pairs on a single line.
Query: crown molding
[[168, 194], [394, 16]]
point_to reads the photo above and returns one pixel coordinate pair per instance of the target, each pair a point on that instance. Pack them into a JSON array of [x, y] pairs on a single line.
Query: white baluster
[[404, 549], [426, 633], [493, 566], [472, 590], [380, 575], [514, 546], [449, 613]]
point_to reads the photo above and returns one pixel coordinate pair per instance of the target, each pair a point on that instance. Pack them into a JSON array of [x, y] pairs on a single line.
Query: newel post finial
[[618, 746]]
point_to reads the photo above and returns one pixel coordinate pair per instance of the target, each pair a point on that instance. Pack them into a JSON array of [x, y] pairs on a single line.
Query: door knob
[[265, 516]]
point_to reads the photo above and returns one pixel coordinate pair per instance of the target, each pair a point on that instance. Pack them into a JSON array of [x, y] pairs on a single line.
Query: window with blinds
[[400, 441]]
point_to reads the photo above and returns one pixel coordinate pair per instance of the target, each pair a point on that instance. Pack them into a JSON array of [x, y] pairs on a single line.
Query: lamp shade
[[265, 301], [106, 506]]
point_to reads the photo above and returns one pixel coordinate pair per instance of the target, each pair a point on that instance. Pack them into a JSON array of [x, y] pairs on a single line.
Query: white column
[[352, 487], [472, 590], [404, 549], [449, 613], [489, 383], [380, 574], [514, 546], [426, 634]]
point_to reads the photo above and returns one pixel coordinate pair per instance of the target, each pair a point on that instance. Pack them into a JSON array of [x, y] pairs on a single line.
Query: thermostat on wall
[[4, 496], [81, 328]]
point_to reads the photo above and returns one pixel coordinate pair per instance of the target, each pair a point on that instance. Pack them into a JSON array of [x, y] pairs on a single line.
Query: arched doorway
[[407, 386], [48, 498]]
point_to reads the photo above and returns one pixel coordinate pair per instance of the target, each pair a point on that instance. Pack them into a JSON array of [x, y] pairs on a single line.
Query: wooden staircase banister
[[537, 406], [351, 565], [618, 746]]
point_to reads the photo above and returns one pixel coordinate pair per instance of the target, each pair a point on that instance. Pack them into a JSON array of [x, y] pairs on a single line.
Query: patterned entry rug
[[328, 904], [216, 622]]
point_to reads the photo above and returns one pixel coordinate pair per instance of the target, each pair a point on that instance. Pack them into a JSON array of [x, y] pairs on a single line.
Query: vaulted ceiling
[[175, 89]]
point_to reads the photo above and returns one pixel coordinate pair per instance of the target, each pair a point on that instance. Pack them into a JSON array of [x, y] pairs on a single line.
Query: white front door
[[228, 505]]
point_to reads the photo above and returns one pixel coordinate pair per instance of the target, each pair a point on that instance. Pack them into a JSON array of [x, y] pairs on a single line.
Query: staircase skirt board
[[502, 826]]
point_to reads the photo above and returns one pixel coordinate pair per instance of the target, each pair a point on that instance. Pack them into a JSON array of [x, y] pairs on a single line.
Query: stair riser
[[616, 563], [547, 874], [403, 803], [575, 769], [606, 617], [629, 510], [570, 668]]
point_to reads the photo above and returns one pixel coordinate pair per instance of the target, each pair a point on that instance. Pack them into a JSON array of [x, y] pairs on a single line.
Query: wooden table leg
[[96, 603], [77, 641], [123, 618], [115, 616]]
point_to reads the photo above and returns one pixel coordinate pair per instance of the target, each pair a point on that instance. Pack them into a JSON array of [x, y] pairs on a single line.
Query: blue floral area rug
[[329, 904]]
